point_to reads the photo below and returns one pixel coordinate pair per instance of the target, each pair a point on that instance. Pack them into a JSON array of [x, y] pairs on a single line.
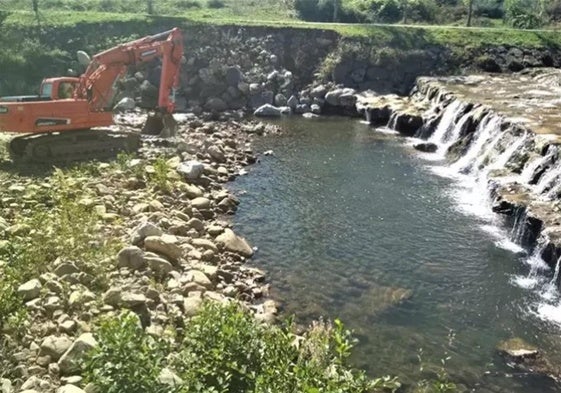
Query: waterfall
[[488, 128], [548, 179], [505, 157], [534, 278], [556, 274], [392, 123], [446, 122], [453, 136], [530, 169], [519, 228], [368, 116]]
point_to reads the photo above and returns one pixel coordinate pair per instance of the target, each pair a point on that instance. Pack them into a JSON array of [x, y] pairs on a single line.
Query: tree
[[470, 11], [525, 14], [336, 7]]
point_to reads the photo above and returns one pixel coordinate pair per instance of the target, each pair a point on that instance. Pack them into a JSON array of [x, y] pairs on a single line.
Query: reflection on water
[[350, 223]]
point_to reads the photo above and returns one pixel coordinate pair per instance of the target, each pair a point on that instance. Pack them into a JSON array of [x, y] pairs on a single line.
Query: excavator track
[[70, 146]]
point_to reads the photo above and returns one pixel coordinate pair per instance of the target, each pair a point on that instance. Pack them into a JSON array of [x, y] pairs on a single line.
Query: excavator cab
[[59, 88]]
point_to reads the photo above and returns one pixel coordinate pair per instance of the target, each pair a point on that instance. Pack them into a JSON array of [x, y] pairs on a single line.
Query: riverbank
[[358, 56]]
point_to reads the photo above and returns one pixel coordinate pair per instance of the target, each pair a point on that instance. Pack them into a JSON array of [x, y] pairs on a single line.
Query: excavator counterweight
[[68, 120]]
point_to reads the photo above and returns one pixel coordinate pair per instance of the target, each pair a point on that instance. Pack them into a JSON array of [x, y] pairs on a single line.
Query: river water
[[351, 222]]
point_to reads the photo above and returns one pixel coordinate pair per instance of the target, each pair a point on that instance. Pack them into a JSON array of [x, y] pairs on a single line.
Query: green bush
[[524, 14], [225, 349], [216, 4], [126, 360]]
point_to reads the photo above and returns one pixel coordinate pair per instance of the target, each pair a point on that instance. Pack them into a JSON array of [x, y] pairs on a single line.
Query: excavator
[[69, 119]]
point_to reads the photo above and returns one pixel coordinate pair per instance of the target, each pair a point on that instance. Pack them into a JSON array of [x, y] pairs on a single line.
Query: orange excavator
[[65, 121]]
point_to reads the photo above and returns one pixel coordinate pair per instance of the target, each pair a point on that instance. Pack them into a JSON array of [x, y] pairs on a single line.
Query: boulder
[[192, 305], [69, 389], [126, 104], [165, 245], [216, 104], [143, 230], [293, 102], [426, 147], [132, 258], [316, 109], [216, 153], [30, 290], [205, 243], [159, 266], [280, 100], [198, 278], [319, 92], [234, 243], [6, 386], [55, 347], [191, 170], [201, 203], [332, 97], [517, 349], [169, 378], [234, 76], [70, 360]]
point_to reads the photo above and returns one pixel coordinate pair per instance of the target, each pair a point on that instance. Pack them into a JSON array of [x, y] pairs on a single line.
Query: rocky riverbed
[[161, 217]]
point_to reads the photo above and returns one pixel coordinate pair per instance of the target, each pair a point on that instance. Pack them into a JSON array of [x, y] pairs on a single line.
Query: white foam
[[549, 312], [386, 130], [525, 282]]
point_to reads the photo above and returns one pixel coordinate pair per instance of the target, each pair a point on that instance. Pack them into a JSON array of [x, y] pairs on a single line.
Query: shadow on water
[[350, 223]]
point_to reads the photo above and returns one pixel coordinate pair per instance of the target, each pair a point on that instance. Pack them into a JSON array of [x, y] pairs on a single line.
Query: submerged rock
[[518, 353], [426, 147]]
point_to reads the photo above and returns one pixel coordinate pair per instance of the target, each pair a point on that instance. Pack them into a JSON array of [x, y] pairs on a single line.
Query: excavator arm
[[97, 83]]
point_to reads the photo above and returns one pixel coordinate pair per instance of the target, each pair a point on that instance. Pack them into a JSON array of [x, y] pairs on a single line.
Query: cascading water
[[487, 130], [472, 171], [446, 123], [548, 180], [392, 123]]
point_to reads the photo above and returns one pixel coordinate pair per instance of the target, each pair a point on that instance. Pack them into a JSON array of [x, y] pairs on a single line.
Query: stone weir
[[501, 131]]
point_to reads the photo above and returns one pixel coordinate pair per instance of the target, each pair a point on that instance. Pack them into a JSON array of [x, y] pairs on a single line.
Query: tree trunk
[[470, 11], [336, 6], [150, 7]]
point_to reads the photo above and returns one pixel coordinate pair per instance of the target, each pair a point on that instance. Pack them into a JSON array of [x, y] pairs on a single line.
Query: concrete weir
[[503, 132]]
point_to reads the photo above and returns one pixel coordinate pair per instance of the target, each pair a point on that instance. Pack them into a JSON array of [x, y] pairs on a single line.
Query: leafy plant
[[160, 176], [215, 4], [224, 349], [127, 360]]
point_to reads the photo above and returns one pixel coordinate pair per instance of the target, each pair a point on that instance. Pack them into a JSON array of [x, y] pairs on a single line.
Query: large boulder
[[216, 104], [131, 257], [234, 243], [69, 389], [234, 76], [267, 110], [30, 290], [191, 170], [70, 361], [55, 347], [165, 245]]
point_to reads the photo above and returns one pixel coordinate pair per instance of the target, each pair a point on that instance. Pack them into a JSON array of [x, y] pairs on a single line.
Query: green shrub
[[126, 360], [216, 4], [524, 14], [225, 349]]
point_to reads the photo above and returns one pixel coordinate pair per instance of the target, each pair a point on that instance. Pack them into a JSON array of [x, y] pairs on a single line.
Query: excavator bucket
[[160, 124]]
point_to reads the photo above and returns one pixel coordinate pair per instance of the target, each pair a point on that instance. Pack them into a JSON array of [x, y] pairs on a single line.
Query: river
[[351, 222]]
